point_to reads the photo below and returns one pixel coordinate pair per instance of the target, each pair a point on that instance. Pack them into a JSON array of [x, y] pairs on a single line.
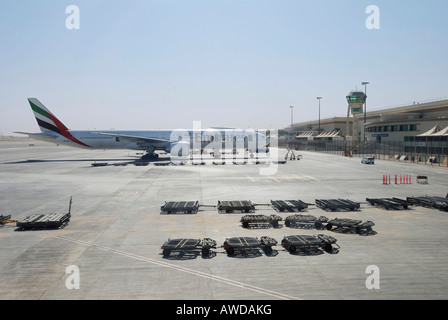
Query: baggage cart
[[308, 243], [186, 245]]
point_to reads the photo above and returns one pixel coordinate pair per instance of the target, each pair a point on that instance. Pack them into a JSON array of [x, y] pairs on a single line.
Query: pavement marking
[[182, 269]]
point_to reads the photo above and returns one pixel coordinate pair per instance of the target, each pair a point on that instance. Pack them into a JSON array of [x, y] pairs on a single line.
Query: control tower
[[356, 101]]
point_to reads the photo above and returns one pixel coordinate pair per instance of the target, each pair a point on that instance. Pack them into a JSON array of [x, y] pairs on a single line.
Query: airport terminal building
[[415, 130]]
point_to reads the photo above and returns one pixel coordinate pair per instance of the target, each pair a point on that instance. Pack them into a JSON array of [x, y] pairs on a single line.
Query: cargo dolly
[[244, 206], [175, 207], [289, 205], [46, 221], [6, 219], [345, 225], [189, 246], [430, 202], [309, 244], [305, 221], [389, 203], [337, 204], [260, 221], [3, 218], [243, 244]]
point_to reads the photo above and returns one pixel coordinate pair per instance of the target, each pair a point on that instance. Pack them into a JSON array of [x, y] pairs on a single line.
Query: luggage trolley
[[309, 244], [242, 244], [305, 221], [244, 206], [46, 221], [342, 224], [260, 221], [188, 245], [337, 204], [185, 207], [389, 203], [289, 205], [430, 202]]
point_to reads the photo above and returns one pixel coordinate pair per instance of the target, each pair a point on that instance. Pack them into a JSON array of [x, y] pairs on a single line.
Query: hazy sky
[[144, 64]]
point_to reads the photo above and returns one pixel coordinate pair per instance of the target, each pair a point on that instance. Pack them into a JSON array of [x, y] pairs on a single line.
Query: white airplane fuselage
[[54, 131]]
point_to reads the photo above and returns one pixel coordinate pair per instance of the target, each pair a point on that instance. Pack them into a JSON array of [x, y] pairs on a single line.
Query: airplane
[[177, 141]]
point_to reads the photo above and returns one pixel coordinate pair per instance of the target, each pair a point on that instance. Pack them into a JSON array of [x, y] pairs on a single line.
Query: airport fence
[[430, 153]]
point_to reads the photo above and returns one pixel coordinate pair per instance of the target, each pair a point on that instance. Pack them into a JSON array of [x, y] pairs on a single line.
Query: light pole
[[318, 98], [365, 83], [292, 115]]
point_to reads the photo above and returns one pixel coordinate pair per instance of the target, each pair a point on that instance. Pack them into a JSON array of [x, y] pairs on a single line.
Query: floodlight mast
[[318, 98], [365, 83]]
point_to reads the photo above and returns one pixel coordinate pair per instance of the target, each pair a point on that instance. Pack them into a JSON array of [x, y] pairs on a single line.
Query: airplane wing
[[144, 142]]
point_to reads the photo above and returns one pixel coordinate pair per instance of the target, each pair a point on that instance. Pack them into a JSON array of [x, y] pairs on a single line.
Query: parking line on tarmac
[[182, 269]]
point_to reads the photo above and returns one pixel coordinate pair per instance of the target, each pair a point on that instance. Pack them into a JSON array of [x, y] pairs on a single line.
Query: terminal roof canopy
[[329, 134], [433, 131], [443, 132]]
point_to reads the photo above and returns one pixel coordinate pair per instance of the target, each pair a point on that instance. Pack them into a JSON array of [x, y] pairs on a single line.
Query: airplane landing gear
[[150, 156]]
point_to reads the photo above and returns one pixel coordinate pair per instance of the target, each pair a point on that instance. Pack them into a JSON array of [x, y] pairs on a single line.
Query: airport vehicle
[[337, 204], [176, 142], [368, 160], [188, 246], [389, 203], [4, 219], [46, 221], [243, 244], [430, 202], [185, 207], [308, 244], [289, 205], [347, 225], [243, 206], [305, 221], [260, 221]]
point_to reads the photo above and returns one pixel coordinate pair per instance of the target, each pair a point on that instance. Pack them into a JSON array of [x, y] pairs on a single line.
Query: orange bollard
[[395, 179], [389, 179]]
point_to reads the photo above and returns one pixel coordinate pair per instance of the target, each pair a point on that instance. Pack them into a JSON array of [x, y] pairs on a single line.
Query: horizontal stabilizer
[[37, 135]]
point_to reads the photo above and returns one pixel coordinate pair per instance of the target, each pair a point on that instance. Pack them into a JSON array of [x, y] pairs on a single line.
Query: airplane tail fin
[[49, 124], [45, 119]]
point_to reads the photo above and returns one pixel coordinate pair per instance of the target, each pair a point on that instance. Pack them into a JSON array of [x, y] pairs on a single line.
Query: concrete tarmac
[[113, 240]]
